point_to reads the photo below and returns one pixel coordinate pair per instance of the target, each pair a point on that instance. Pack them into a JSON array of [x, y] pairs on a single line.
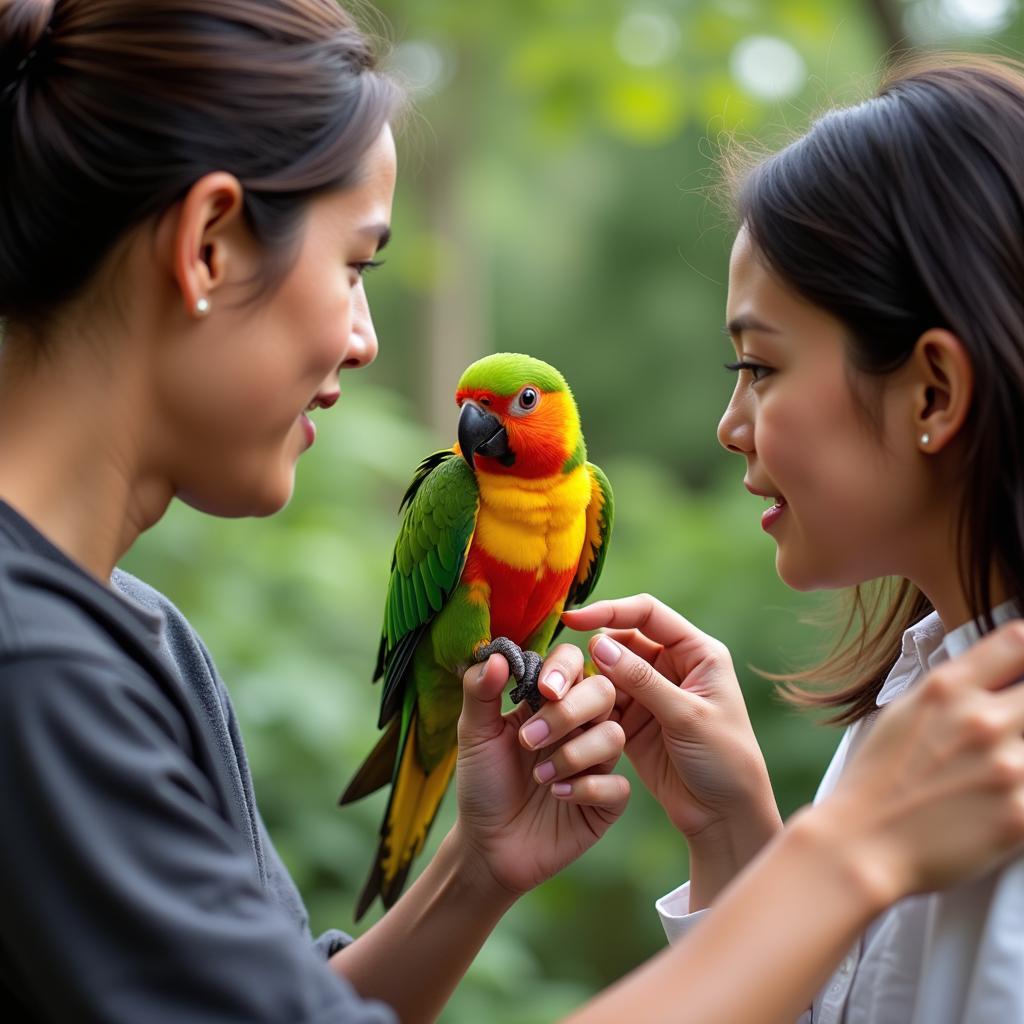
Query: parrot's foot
[[524, 665]]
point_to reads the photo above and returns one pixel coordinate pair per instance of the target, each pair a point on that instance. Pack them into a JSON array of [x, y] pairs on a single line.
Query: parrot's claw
[[524, 666]]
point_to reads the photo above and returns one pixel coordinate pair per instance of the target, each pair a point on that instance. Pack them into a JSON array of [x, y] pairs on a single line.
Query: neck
[[953, 608], [939, 580], [71, 437]]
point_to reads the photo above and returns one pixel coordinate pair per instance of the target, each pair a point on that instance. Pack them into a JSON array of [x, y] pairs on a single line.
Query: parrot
[[499, 534]]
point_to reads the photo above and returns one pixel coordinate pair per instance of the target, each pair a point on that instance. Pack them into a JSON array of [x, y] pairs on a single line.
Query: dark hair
[[113, 109], [900, 214]]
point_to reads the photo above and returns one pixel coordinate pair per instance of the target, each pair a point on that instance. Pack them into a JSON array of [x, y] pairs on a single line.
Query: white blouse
[[954, 957]]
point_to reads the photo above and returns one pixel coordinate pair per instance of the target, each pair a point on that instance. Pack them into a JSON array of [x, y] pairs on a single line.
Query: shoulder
[[444, 472], [146, 597], [49, 609], [184, 645], [62, 632], [179, 630]]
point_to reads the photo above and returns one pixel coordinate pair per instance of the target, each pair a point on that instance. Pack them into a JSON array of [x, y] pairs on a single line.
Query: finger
[[647, 649], [482, 687], [654, 619], [635, 718], [562, 666], [638, 678], [608, 791], [590, 700], [639, 644], [597, 748]]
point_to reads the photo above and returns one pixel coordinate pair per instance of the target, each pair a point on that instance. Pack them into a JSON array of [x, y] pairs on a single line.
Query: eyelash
[[744, 364], [367, 265]]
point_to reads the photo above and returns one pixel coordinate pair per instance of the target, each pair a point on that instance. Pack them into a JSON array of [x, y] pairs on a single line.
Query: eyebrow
[[747, 323], [382, 232]]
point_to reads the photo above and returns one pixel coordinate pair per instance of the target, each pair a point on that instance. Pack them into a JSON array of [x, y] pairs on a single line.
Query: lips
[[772, 514], [321, 400]]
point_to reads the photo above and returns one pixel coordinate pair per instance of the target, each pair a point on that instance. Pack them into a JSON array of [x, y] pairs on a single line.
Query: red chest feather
[[520, 599]]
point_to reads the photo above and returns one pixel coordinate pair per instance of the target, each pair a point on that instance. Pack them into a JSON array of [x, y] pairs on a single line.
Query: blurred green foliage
[[555, 199]]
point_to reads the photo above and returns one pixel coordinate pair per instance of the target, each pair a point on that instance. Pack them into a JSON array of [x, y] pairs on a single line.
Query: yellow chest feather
[[534, 524]]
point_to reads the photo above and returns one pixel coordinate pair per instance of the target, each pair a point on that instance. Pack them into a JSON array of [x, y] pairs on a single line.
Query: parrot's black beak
[[481, 433]]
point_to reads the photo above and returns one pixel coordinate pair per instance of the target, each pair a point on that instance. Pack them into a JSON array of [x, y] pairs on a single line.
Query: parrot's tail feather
[[378, 769], [415, 799], [371, 890]]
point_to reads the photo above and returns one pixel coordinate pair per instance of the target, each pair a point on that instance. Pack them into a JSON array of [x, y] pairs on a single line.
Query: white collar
[[927, 644], [920, 642]]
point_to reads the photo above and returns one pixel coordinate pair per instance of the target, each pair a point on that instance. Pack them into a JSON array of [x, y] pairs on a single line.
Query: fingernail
[[544, 772], [534, 733], [562, 788], [483, 670], [607, 651], [556, 681]]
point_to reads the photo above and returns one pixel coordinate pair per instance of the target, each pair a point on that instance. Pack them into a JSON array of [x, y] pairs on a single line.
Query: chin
[[803, 578], [254, 503]]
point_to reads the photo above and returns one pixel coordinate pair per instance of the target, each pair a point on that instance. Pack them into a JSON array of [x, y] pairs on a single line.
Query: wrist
[[721, 850], [824, 832], [471, 873]]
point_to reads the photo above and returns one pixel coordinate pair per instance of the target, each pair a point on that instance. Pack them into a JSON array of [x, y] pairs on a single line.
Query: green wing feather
[[440, 509], [600, 519]]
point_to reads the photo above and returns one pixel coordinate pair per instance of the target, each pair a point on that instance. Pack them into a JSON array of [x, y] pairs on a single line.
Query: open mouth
[[308, 429], [771, 515]]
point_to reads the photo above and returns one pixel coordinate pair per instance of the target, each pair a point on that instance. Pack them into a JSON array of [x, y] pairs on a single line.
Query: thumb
[[482, 686], [638, 679]]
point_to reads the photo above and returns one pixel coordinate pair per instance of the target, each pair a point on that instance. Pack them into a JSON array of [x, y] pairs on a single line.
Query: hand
[[687, 732], [936, 793], [529, 805], [687, 729]]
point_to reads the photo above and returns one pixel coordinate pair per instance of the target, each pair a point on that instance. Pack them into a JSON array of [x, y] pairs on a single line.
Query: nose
[[362, 345], [735, 428]]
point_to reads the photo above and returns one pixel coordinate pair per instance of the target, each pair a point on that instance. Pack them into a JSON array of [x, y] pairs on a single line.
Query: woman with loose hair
[[190, 192], [876, 309]]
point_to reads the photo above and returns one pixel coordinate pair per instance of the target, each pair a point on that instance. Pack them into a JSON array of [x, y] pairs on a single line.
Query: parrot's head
[[518, 418]]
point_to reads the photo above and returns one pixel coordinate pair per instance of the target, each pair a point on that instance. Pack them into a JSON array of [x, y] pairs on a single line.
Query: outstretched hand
[[536, 791], [687, 733], [680, 705]]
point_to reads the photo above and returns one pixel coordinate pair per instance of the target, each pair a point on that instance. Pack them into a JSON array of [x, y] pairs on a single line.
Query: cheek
[[788, 441], [815, 446], [315, 318], [330, 329]]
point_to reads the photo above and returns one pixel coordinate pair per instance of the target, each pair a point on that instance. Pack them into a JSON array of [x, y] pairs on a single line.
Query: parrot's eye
[[526, 401]]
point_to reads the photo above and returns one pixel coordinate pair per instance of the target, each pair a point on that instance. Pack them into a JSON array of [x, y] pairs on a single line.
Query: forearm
[[771, 941], [416, 954]]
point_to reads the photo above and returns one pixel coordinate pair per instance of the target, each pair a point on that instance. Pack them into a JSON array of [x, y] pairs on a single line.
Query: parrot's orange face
[[531, 433]]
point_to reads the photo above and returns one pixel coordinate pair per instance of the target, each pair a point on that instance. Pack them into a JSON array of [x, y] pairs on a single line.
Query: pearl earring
[[925, 439], [202, 306]]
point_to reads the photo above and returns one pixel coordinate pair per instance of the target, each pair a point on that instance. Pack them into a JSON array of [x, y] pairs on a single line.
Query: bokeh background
[[557, 196]]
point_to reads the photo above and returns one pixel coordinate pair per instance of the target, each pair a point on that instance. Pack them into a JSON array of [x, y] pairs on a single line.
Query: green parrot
[[499, 534]]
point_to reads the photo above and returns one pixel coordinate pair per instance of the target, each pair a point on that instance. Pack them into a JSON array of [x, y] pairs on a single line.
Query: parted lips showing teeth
[[323, 401], [775, 499]]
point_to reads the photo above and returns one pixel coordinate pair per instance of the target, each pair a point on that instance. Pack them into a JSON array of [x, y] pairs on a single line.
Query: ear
[[943, 390], [201, 239]]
